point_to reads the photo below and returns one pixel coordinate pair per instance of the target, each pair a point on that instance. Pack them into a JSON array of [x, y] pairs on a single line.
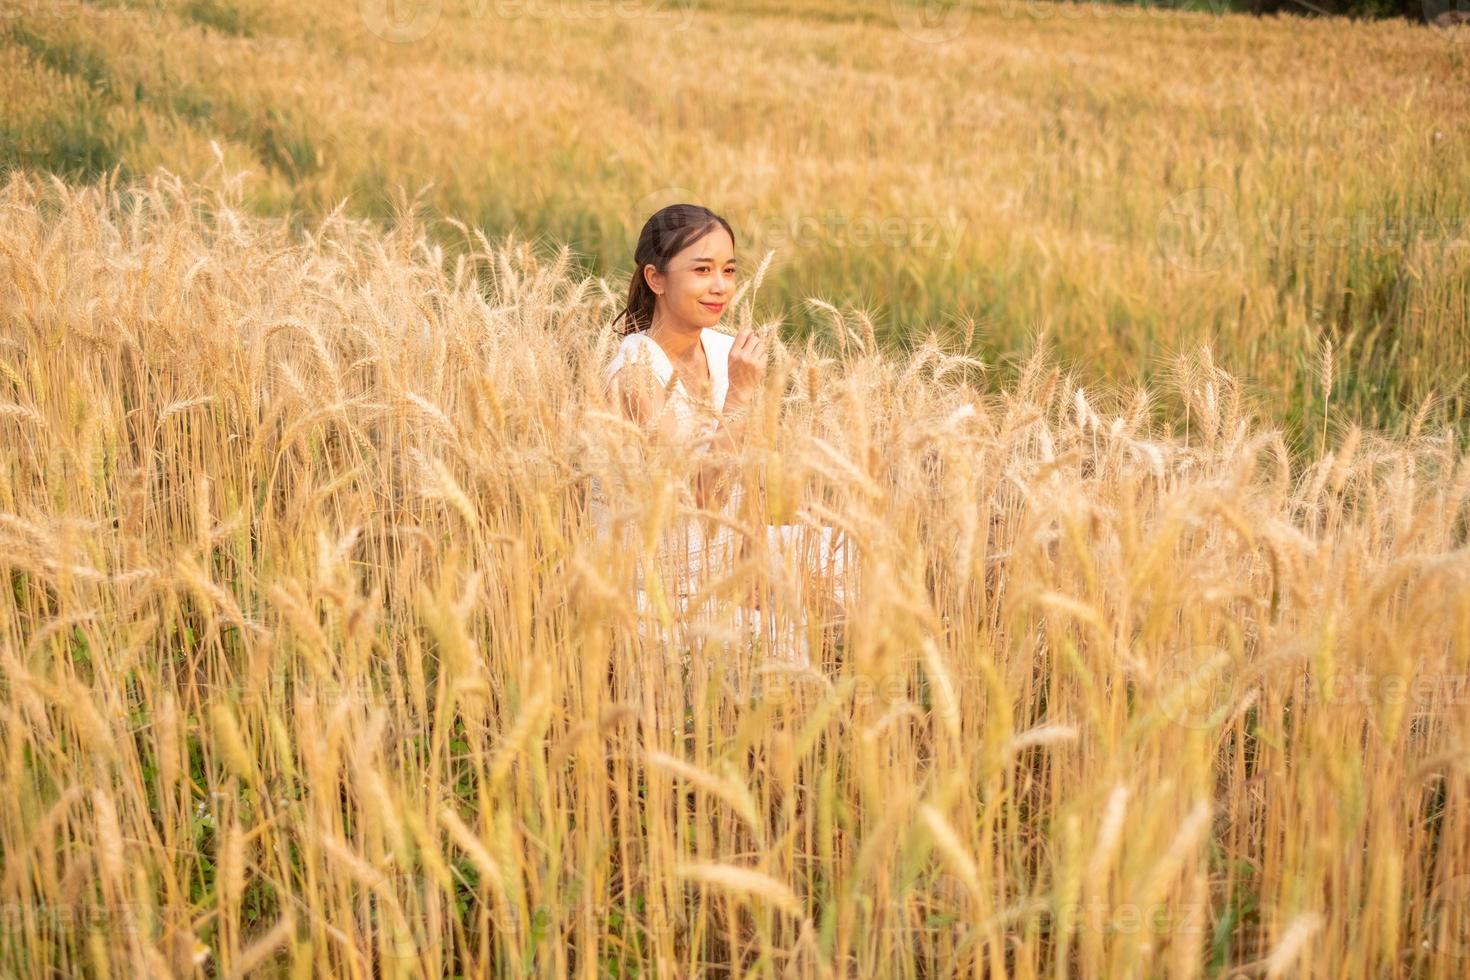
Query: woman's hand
[[747, 367], [746, 370]]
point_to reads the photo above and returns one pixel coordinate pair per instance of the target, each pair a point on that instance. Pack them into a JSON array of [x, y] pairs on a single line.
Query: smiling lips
[[713, 307]]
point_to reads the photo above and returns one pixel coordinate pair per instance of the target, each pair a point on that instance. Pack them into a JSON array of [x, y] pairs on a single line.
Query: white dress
[[689, 555]]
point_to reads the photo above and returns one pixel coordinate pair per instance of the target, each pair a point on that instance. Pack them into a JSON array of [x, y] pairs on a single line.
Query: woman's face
[[699, 282]]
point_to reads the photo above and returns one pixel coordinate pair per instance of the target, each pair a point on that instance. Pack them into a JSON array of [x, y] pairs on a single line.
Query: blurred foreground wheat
[[311, 664]]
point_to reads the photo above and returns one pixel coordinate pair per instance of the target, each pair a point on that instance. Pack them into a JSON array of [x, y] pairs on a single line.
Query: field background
[[1135, 181], [312, 663]]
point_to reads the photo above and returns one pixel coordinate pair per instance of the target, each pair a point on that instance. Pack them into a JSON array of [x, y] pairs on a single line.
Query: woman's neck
[[680, 343]]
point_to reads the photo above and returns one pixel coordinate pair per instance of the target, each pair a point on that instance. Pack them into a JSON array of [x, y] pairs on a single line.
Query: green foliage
[[81, 147], [79, 142], [66, 57], [221, 16]]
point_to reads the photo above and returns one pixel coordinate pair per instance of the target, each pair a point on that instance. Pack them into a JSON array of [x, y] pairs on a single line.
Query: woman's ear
[[654, 278]]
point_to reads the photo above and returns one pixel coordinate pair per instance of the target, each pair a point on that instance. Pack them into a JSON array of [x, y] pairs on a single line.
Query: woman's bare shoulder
[[637, 348]]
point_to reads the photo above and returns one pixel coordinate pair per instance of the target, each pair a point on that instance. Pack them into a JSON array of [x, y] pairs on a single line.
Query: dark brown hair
[[665, 235]]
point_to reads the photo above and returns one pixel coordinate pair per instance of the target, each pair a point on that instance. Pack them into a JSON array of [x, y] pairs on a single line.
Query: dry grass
[[312, 664], [1138, 182]]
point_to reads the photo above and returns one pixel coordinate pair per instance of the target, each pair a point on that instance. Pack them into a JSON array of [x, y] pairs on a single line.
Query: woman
[[691, 384]]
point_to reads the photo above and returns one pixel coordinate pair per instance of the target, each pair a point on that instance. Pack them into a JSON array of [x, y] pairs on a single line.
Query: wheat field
[[312, 665], [1136, 181], [1126, 348]]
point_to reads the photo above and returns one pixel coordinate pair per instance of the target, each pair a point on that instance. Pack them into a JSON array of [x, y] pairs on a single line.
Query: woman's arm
[[637, 391]]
